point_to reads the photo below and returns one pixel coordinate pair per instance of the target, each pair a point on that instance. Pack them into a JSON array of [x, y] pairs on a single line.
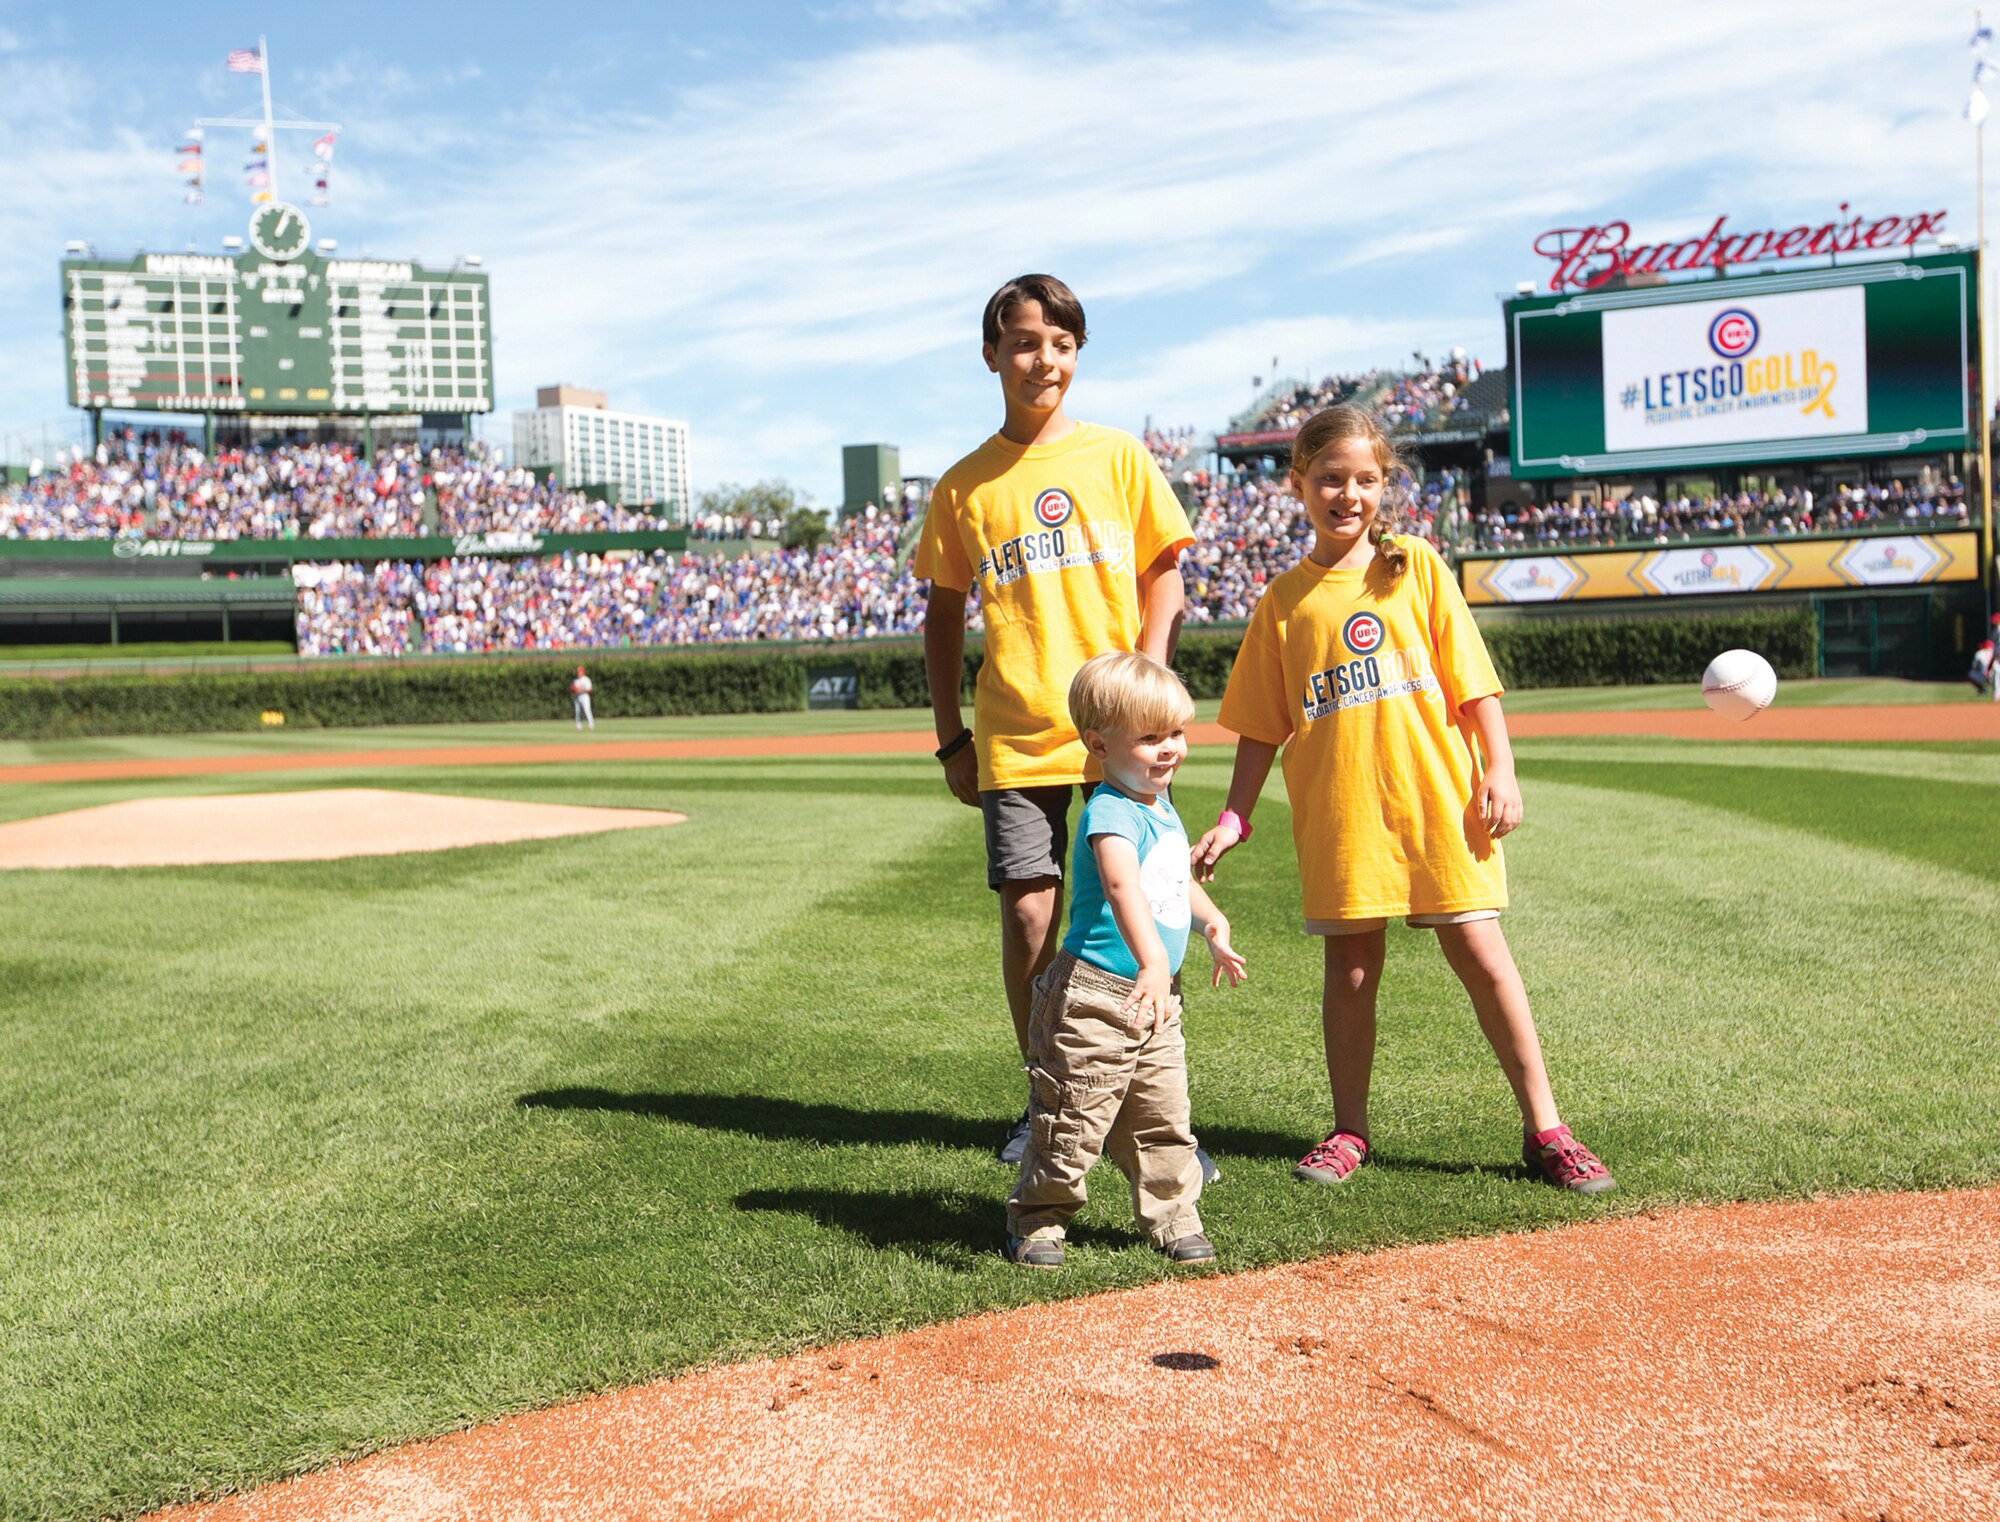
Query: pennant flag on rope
[[323, 147], [189, 165], [260, 195], [1984, 70], [194, 197], [1976, 106], [244, 61]]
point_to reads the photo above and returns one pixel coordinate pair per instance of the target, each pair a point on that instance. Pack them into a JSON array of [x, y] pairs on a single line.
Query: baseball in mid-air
[[1738, 684]]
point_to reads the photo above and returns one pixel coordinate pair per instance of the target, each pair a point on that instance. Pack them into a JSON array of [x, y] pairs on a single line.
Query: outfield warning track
[[1883, 724]]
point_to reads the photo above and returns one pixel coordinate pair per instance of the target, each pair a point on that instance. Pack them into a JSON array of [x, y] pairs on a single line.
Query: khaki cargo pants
[[1098, 1086]]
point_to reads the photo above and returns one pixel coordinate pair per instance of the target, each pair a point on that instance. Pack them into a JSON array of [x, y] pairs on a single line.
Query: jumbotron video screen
[[1836, 363], [278, 328]]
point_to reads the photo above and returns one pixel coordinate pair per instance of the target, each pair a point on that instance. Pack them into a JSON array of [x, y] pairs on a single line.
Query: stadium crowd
[[161, 486], [849, 587], [1169, 446], [1427, 394], [1642, 519], [1286, 410], [1247, 530], [1251, 528]]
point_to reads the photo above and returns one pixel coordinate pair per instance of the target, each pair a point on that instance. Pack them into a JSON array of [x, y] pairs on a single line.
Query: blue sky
[[780, 222]]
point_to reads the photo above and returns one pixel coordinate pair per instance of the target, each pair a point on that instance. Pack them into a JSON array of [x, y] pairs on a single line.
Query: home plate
[[310, 826]]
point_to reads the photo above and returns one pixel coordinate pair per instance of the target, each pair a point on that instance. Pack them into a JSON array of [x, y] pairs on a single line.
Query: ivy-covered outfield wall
[[1529, 652]]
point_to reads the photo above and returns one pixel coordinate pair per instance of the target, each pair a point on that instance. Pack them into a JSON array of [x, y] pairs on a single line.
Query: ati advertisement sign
[[1725, 372], [1833, 364], [1798, 565], [832, 686]]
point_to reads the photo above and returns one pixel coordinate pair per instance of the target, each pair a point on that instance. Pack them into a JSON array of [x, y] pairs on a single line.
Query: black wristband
[[954, 745]]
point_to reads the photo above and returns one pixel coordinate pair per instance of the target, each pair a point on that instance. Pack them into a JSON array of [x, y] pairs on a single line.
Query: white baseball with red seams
[[1738, 684]]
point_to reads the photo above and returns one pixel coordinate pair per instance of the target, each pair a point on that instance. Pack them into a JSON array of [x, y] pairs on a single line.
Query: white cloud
[[815, 239]]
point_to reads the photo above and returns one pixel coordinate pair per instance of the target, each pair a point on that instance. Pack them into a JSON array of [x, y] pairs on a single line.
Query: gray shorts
[[1027, 832]]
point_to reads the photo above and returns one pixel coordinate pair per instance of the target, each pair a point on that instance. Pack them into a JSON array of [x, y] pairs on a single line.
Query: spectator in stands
[[1640, 519], [163, 487]]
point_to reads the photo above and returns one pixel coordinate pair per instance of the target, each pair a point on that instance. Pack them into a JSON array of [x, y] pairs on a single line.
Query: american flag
[[245, 61]]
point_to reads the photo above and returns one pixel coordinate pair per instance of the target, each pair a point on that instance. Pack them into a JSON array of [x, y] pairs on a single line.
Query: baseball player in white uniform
[[579, 694]]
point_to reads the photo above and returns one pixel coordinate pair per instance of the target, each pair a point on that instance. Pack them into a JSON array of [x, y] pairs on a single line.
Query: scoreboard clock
[[278, 231]]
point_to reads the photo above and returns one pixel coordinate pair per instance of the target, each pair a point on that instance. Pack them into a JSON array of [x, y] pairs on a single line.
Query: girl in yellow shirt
[[1364, 664]]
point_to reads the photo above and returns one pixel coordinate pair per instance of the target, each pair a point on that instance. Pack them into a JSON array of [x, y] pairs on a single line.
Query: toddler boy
[[1107, 1065]]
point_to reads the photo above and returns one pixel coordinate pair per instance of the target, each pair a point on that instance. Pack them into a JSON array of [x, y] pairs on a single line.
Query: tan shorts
[[1414, 921]]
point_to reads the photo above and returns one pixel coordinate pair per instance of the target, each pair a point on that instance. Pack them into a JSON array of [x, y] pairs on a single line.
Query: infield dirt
[[312, 826], [1888, 724], [1829, 1359]]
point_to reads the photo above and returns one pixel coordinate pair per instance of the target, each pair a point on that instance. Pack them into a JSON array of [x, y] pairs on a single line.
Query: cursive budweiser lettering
[[1586, 257]]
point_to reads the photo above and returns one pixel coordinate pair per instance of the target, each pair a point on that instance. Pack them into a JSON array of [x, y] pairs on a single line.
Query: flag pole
[[270, 135]]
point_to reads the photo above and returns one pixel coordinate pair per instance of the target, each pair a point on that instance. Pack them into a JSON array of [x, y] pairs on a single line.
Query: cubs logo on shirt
[[1053, 507], [1362, 633]]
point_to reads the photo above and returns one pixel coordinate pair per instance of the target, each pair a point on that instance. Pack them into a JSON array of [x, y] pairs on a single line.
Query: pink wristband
[[1236, 822]]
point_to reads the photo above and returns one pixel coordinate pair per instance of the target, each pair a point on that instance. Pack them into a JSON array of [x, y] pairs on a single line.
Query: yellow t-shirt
[[1056, 536], [1361, 678]]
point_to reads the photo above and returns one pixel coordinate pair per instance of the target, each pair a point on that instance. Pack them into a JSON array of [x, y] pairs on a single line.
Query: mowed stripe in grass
[[306, 1158]]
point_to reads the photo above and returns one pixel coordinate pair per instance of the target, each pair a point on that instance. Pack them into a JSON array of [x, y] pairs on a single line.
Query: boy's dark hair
[[1060, 308]]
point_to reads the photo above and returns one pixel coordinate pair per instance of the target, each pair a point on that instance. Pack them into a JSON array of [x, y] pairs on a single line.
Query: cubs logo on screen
[[1053, 507], [1376, 672], [1362, 633], [1733, 334]]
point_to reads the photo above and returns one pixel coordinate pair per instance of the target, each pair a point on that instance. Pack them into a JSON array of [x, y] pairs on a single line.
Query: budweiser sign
[[1587, 257]]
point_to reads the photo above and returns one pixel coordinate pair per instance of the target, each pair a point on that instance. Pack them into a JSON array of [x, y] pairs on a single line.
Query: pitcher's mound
[[315, 826]]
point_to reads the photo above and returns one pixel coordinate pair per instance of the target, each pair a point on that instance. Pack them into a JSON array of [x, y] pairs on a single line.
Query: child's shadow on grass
[[792, 1120], [956, 1233]]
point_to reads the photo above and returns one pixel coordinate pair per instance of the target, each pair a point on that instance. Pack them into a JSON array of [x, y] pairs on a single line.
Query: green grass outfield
[[302, 1159]]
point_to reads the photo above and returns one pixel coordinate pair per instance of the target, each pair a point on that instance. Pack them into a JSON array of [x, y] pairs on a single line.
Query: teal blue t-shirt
[[1156, 834]]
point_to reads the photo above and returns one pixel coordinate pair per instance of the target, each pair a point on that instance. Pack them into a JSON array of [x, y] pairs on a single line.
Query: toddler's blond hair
[[1127, 693]]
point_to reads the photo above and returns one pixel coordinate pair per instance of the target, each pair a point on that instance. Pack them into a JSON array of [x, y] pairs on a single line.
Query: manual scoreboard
[[277, 328]]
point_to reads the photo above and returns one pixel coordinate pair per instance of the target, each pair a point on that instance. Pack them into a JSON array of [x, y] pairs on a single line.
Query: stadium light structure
[[1524, 288], [75, 246], [328, 245], [1947, 240], [233, 243], [473, 261]]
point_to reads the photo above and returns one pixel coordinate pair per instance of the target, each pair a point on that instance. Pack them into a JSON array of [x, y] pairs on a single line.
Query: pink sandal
[[1334, 1160]]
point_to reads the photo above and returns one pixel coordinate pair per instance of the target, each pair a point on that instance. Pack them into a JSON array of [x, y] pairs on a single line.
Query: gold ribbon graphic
[[1825, 381]]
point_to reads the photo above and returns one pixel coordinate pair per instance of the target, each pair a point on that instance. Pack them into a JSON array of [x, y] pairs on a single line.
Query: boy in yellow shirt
[[1073, 539]]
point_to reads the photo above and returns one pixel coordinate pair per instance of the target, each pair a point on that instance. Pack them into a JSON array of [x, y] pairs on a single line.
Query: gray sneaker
[[1046, 1252], [1015, 1142], [1192, 1248]]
